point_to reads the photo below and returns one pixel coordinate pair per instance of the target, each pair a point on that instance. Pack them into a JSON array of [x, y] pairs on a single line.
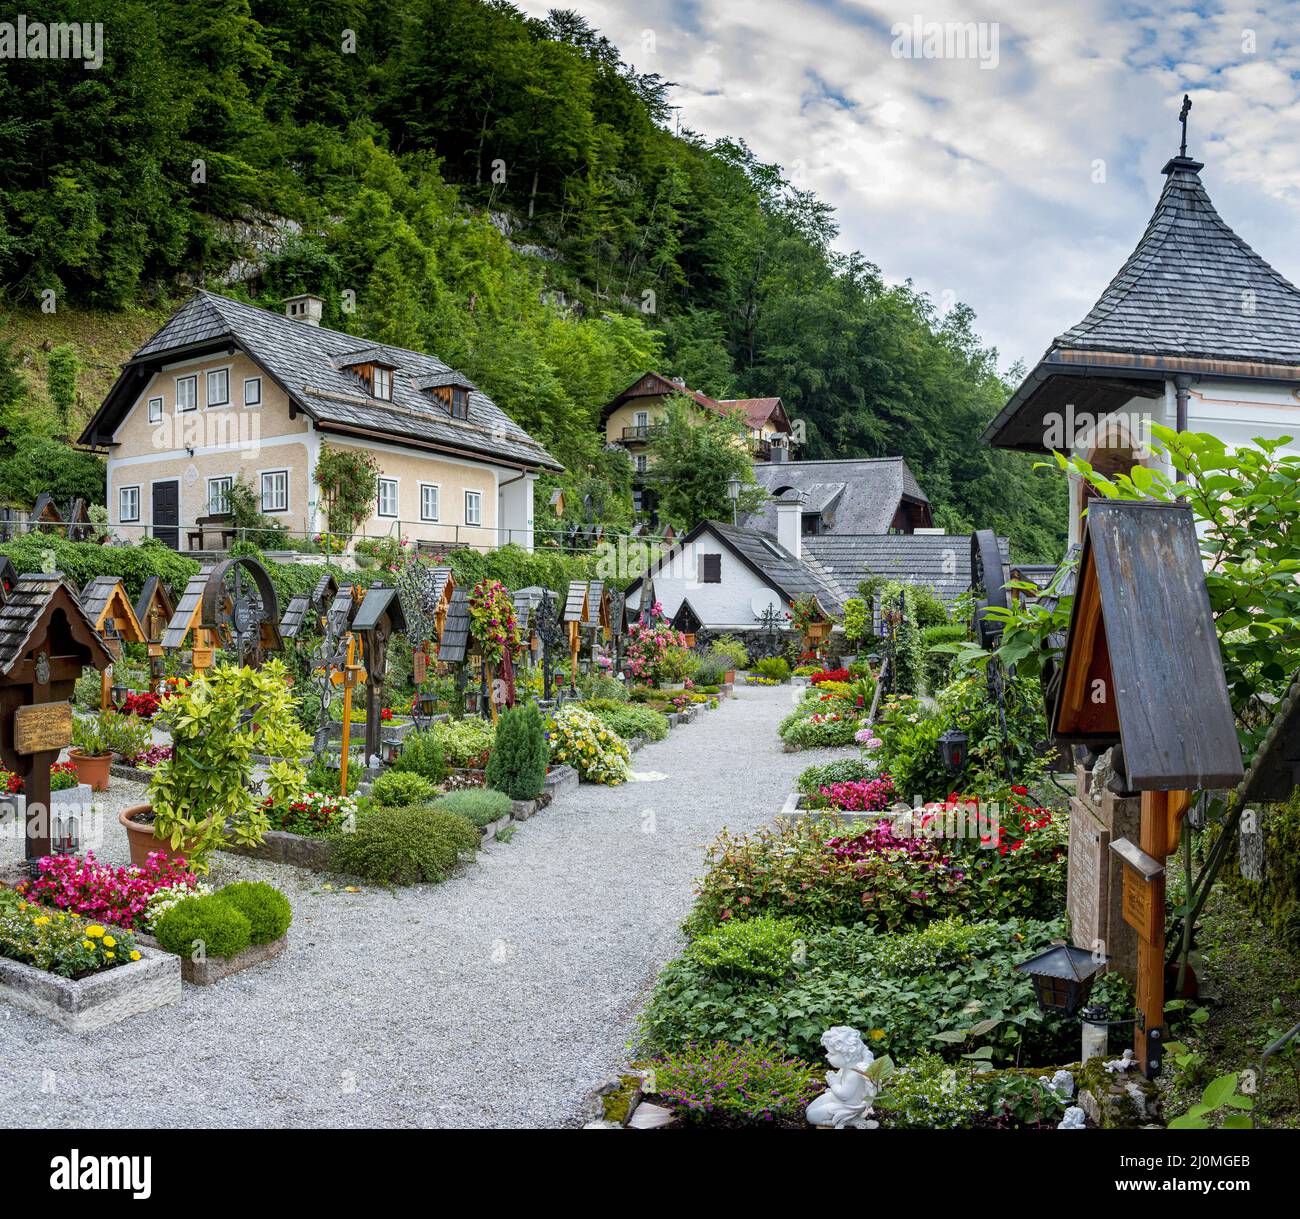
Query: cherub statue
[[1126, 1062], [1073, 1119], [850, 1090], [1062, 1084]]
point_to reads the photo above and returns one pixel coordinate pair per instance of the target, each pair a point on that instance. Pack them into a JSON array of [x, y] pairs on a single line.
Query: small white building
[[1195, 332]]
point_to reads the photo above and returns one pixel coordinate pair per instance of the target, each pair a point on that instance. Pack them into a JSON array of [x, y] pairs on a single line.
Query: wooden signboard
[[42, 727], [1139, 909], [419, 666]]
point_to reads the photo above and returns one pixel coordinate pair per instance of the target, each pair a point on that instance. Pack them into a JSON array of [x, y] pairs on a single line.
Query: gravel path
[[500, 998]]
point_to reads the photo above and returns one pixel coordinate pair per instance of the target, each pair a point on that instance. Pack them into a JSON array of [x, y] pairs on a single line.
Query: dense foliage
[[517, 764], [405, 846], [499, 189]]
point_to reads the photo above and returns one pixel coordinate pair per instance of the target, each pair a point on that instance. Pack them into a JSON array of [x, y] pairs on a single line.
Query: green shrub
[[756, 948], [208, 924], [517, 764], [711, 671], [817, 725], [775, 667], [421, 754], [857, 623], [267, 909], [948, 992], [731, 651], [937, 666], [322, 777], [400, 789], [602, 685], [465, 743], [842, 770], [629, 720], [405, 846], [747, 1084], [930, 1094], [481, 805]]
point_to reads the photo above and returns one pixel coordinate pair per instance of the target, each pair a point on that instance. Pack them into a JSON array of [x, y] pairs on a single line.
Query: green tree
[[61, 381], [693, 456]]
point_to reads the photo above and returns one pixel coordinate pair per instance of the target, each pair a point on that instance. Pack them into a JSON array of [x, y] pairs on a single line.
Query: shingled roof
[[940, 561], [1193, 297], [1192, 287], [856, 495], [309, 363], [22, 612]]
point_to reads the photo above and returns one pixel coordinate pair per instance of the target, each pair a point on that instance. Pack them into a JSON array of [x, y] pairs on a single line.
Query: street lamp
[[733, 494]]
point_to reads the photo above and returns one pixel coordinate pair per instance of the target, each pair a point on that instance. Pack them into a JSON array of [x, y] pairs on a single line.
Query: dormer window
[[459, 402], [382, 386]]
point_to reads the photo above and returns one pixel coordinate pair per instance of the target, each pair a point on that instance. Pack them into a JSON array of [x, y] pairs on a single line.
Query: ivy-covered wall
[[1275, 896]]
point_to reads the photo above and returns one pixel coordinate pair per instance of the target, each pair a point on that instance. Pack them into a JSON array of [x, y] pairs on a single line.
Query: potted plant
[[733, 654], [201, 793], [91, 753], [674, 666]]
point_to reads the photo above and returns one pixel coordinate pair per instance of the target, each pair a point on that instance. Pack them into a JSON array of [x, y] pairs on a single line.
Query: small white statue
[[1062, 1084], [1126, 1062], [1073, 1119], [851, 1092]]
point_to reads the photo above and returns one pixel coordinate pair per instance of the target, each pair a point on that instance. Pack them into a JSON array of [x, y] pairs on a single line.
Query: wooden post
[[1144, 910], [105, 689]]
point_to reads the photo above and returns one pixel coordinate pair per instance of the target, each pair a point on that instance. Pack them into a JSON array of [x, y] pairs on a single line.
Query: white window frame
[[122, 518], [475, 498], [379, 497], [193, 379], [642, 463], [436, 488], [387, 374], [160, 404], [220, 478], [640, 419], [256, 383], [265, 474], [217, 372]]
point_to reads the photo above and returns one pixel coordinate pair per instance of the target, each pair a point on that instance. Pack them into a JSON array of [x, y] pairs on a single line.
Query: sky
[[1016, 177]]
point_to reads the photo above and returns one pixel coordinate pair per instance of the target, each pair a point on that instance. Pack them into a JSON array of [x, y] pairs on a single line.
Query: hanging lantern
[[952, 749], [119, 695], [1063, 977]]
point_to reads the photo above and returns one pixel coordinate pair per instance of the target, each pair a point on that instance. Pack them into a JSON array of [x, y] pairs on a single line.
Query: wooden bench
[[220, 522]]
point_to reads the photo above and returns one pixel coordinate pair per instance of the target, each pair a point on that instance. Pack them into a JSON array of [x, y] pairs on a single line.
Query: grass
[[1250, 988]]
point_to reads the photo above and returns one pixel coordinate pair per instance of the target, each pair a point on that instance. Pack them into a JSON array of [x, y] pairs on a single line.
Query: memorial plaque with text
[[42, 727]]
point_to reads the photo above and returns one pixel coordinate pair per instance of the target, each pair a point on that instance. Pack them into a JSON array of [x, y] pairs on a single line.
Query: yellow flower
[[40, 922], [877, 1034], [94, 931], [87, 944], [109, 942], [109, 955], [135, 954]]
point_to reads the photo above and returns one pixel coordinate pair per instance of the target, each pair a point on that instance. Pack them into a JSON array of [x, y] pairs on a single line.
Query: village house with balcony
[[630, 420], [228, 391]]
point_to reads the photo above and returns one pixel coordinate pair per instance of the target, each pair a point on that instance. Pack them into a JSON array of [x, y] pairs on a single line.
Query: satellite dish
[[763, 600]]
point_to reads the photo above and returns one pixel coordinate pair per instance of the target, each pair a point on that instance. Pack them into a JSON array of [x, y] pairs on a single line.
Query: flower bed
[[105, 892], [578, 739]]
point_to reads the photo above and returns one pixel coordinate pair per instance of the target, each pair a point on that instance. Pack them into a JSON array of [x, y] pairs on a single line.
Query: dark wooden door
[[167, 513]]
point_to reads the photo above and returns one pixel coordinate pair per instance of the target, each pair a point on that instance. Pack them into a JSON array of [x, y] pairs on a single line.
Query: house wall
[[1236, 412], [724, 606], [226, 439], [236, 440]]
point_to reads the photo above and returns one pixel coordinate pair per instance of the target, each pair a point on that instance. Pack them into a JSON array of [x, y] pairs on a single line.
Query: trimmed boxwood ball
[[517, 764], [204, 924], [400, 789], [404, 846], [481, 805], [266, 908]]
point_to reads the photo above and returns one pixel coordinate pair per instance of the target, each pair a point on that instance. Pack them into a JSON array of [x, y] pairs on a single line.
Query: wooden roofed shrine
[[378, 617], [46, 640], [106, 604], [1142, 675]]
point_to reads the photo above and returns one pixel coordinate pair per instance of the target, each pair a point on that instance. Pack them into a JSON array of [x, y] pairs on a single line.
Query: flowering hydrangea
[[647, 643], [867, 738], [102, 891]]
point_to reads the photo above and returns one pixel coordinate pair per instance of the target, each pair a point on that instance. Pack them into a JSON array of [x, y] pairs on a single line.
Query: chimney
[[789, 523], [304, 308], [779, 453]]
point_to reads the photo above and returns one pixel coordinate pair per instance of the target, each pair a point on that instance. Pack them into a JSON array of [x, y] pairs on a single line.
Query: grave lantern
[[119, 695], [952, 749], [1142, 671], [1063, 977]]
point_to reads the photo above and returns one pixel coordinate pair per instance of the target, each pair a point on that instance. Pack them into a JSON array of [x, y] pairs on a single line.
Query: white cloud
[[977, 182]]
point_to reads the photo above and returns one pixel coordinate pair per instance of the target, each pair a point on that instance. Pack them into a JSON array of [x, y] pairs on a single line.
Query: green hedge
[[83, 561]]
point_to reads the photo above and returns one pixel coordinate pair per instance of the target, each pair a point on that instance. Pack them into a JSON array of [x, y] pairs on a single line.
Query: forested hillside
[[501, 191]]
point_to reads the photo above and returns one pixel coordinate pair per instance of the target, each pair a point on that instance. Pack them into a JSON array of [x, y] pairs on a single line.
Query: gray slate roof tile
[[860, 494]]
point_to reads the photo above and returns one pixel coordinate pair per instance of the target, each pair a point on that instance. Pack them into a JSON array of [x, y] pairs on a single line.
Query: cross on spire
[[1182, 118]]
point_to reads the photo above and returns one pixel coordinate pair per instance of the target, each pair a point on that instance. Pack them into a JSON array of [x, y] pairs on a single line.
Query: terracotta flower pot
[[141, 837], [92, 768]]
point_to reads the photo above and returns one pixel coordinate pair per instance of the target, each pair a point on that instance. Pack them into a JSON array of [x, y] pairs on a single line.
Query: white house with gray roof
[[227, 391]]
